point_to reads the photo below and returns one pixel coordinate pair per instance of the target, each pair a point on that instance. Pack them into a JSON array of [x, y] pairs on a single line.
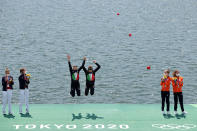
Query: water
[[38, 34]]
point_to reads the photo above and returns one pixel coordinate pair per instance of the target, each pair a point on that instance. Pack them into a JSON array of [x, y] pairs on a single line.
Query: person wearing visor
[[7, 83], [177, 83], [90, 78], [74, 73]]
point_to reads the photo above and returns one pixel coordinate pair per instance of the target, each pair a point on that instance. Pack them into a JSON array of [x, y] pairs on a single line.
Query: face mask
[[177, 74]]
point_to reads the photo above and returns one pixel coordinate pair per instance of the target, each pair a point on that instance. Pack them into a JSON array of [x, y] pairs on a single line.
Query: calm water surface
[[37, 34]]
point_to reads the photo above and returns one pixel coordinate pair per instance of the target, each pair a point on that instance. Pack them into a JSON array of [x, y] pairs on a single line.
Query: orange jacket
[[165, 85], [177, 84]]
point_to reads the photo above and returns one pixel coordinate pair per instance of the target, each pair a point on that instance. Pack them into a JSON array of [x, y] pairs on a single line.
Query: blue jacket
[[4, 83], [22, 82]]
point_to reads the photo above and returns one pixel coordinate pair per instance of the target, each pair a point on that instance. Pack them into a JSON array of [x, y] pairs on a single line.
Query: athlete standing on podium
[[165, 91], [177, 83], [7, 83], [24, 91], [74, 73]]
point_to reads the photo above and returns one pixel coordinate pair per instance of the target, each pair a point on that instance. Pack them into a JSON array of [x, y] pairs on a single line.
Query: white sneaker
[[175, 112], [168, 112], [184, 112], [163, 112]]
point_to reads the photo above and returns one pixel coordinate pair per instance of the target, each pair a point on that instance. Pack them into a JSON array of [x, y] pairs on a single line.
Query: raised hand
[[84, 58], [94, 61], [68, 57]]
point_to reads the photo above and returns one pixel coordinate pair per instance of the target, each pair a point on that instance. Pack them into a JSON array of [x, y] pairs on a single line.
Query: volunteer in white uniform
[[24, 91], [7, 83]]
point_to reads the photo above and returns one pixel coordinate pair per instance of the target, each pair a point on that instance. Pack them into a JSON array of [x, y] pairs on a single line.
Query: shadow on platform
[[88, 116], [9, 116], [27, 115], [177, 116], [180, 116]]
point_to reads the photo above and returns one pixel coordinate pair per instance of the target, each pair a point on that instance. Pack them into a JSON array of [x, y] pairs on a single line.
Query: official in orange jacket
[[177, 83], [165, 91]]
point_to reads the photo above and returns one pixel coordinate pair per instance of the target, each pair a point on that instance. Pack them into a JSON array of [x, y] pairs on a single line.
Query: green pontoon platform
[[99, 117]]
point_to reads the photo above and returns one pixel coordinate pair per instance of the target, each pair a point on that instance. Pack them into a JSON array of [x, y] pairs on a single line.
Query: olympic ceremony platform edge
[[101, 117]]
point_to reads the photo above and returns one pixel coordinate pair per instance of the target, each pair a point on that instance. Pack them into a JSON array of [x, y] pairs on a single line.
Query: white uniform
[[24, 93], [7, 98], [24, 98]]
